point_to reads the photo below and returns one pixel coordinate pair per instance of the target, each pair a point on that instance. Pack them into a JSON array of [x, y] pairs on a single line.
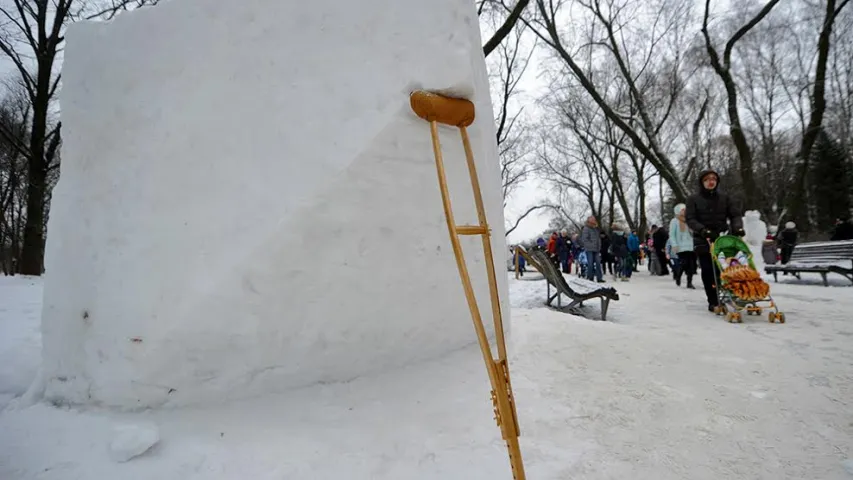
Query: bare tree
[[723, 68], [32, 36], [840, 77], [818, 106], [14, 112], [636, 54], [511, 131]]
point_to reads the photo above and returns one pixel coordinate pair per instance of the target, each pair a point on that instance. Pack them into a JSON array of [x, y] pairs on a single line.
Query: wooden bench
[[818, 257], [578, 291]]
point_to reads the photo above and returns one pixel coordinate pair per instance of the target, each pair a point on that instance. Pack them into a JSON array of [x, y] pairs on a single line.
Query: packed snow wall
[[247, 203]]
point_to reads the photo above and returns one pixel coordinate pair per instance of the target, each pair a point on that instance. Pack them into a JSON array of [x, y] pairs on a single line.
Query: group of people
[[593, 253], [685, 246]]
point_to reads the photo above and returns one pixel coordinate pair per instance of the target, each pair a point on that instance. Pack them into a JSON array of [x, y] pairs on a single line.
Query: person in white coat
[[681, 241]]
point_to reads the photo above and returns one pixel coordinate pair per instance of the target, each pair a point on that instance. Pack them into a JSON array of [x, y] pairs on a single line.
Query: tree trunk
[[798, 201], [750, 189], [32, 256]]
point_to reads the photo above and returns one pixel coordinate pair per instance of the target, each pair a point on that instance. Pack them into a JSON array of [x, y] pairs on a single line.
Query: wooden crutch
[[459, 113]]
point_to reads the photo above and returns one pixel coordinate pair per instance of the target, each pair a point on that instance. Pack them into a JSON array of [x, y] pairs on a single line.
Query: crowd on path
[[682, 250]]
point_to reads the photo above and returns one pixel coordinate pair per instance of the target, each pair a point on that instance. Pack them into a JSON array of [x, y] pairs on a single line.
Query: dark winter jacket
[[843, 231], [788, 238], [590, 238], [562, 245], [619, 244], [660, 237], [711, 210], [633, 243], [605, 246]]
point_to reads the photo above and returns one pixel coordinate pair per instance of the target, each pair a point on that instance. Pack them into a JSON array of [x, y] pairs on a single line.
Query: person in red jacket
[[552, 250]]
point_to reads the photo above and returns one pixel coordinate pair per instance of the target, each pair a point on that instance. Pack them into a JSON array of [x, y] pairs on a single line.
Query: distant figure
[[661, 236], [519, 262], [634, 248], [769, 251], [619, 246], [591, 242], [681, 241], [564, 245], [843, 230], [787, 241], [576, 253], [552, 249], [540, 243], [606, 256]]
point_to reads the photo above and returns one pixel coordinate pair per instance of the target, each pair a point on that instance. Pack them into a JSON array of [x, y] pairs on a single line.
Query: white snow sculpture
[[754, 227], [248, 203]]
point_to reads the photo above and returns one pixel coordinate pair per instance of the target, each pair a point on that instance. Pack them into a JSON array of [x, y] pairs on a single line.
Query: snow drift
[[247, 203]]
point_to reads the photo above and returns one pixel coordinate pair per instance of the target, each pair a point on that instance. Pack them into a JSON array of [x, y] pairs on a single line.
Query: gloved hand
[[710, 234], [739, 232]]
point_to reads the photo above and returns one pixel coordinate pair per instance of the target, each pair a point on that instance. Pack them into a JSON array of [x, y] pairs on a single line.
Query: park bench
[[578, 291], [818, 257]]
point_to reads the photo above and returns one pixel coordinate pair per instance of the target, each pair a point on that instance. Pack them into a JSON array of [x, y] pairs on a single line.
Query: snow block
[[248, 204]]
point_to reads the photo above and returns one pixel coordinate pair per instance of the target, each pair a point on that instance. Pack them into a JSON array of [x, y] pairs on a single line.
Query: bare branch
[[525, 214], [505, 28]]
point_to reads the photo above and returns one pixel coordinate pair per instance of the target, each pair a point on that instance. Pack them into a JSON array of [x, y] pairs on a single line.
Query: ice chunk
[[132, 440]]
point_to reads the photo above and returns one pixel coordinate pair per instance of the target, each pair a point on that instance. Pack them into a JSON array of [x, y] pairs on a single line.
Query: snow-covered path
[[664, 390], [670, 391]]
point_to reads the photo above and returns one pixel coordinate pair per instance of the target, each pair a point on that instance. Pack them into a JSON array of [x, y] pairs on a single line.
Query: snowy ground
[[663, 390]]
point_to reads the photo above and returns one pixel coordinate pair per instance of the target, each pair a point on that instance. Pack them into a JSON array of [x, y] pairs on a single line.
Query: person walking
[[575, 254], [606, 255], [591, 242], [709, 213], [564, 245], [787, 241], [552, 250], [634, 248], [681, 239], [660, 237], [619, 246]]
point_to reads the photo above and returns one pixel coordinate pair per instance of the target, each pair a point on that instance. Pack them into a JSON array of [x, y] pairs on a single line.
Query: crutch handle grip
[[432, 107]]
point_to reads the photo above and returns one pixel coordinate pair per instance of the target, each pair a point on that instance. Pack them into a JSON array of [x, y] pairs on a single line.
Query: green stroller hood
[[730, 246]]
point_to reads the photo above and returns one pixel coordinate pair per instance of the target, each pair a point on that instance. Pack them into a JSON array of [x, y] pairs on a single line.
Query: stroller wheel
[[771, 317], [781, 317]]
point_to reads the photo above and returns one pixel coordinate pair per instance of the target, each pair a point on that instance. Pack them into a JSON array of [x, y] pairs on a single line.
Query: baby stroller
[[740, 286]]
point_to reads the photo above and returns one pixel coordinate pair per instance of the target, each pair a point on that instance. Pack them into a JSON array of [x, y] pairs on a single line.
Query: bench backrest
[[554, 277], [823, 252], [551, 273]]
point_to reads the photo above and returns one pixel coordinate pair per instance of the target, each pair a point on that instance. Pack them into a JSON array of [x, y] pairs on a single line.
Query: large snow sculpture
[[248, 204], [754, 227]]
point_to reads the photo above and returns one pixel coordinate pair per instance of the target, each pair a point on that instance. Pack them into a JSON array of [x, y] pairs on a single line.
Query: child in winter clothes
[[520, 262], [769, 252]]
